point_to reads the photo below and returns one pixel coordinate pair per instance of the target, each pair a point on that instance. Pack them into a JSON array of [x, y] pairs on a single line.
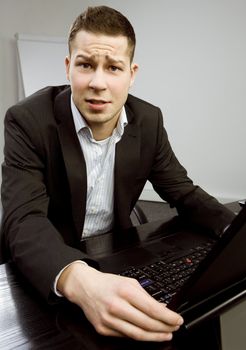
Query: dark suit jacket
[[44, 181]]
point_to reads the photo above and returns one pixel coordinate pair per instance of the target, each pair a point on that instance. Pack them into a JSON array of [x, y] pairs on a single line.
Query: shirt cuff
[[59, 274]]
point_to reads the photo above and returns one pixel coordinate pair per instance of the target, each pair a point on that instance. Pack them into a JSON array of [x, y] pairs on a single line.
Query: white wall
[[192, 58]]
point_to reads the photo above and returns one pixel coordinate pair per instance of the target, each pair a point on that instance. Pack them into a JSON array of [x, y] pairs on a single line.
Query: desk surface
[[27, 322]]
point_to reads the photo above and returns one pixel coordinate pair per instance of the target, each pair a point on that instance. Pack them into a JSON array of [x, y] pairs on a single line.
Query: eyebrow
[[114, 60], [108, 57], [86, 57]]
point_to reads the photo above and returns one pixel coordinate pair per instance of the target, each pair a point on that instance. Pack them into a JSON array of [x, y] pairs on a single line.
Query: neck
[[102, 131]]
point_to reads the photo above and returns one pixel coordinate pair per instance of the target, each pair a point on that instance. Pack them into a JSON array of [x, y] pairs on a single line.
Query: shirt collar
[[80, 122]]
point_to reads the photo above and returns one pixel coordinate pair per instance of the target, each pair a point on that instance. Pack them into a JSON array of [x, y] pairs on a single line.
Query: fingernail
[[180, 321], [169, 336]]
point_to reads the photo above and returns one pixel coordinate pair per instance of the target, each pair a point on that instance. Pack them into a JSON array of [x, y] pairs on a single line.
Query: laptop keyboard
[[164, 278]]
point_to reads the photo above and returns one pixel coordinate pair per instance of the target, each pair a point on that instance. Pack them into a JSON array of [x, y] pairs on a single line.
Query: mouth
[[97, 105], [96, 101]]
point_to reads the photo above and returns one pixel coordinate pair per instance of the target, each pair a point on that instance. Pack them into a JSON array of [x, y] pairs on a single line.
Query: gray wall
[[192, 58]]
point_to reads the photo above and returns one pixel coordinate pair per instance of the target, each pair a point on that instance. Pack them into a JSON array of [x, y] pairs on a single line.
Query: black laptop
[[193, 273]]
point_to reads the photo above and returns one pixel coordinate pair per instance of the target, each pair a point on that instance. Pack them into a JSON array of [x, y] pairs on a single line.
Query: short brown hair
[[103, 20]]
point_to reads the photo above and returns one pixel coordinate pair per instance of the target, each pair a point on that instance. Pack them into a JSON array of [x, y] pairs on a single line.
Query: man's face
[[100, 74]]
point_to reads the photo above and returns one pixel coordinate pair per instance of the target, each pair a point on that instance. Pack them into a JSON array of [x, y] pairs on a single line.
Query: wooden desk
[[27, 322]]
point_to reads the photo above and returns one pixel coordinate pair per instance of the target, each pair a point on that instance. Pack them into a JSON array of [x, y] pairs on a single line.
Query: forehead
[[100, 44]]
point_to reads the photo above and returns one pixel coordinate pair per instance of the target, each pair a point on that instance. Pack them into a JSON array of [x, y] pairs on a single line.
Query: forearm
[[40, 253], [171, 182], [200, 208]]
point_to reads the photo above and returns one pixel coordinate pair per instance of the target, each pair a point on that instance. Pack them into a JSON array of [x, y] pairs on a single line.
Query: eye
[[85, 65], [114, 69]]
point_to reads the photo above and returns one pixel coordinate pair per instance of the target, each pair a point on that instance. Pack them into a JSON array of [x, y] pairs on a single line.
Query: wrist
[[67, 278]]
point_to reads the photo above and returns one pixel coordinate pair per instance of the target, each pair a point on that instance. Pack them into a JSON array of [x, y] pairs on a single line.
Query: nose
[[98, 80]]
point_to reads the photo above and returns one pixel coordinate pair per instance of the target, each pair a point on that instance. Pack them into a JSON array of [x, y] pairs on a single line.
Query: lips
[[96, 102], [97, 105]]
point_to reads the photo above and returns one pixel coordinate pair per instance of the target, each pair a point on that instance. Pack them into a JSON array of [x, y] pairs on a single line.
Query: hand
[[116, 305]]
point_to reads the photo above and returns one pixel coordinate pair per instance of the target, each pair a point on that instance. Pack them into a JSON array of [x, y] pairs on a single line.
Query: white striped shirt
[[100, 160]]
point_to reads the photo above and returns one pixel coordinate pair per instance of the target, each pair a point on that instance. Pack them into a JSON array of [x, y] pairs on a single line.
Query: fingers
[[131, 331], [115, 326], [129, 313], [143, 302]]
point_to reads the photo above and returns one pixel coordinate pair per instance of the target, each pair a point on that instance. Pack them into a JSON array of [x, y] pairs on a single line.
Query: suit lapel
[[73, 158], [126, 166]]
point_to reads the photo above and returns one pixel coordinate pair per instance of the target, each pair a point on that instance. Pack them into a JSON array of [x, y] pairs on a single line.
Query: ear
[[67, 65], [134, 69]]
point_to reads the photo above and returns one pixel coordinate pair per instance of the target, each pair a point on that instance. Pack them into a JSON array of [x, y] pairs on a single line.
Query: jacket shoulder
[[133, 101], [140, 111], [39, 102]]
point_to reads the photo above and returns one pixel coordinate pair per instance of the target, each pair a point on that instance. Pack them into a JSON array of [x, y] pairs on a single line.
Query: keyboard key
[[163, 278], [145, 282]]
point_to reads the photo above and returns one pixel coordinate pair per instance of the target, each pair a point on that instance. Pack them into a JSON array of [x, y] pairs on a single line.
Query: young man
[[76, 161]]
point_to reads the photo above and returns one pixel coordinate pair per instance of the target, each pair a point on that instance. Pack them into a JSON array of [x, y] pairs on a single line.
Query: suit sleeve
[[169, 179], [30, 239]]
